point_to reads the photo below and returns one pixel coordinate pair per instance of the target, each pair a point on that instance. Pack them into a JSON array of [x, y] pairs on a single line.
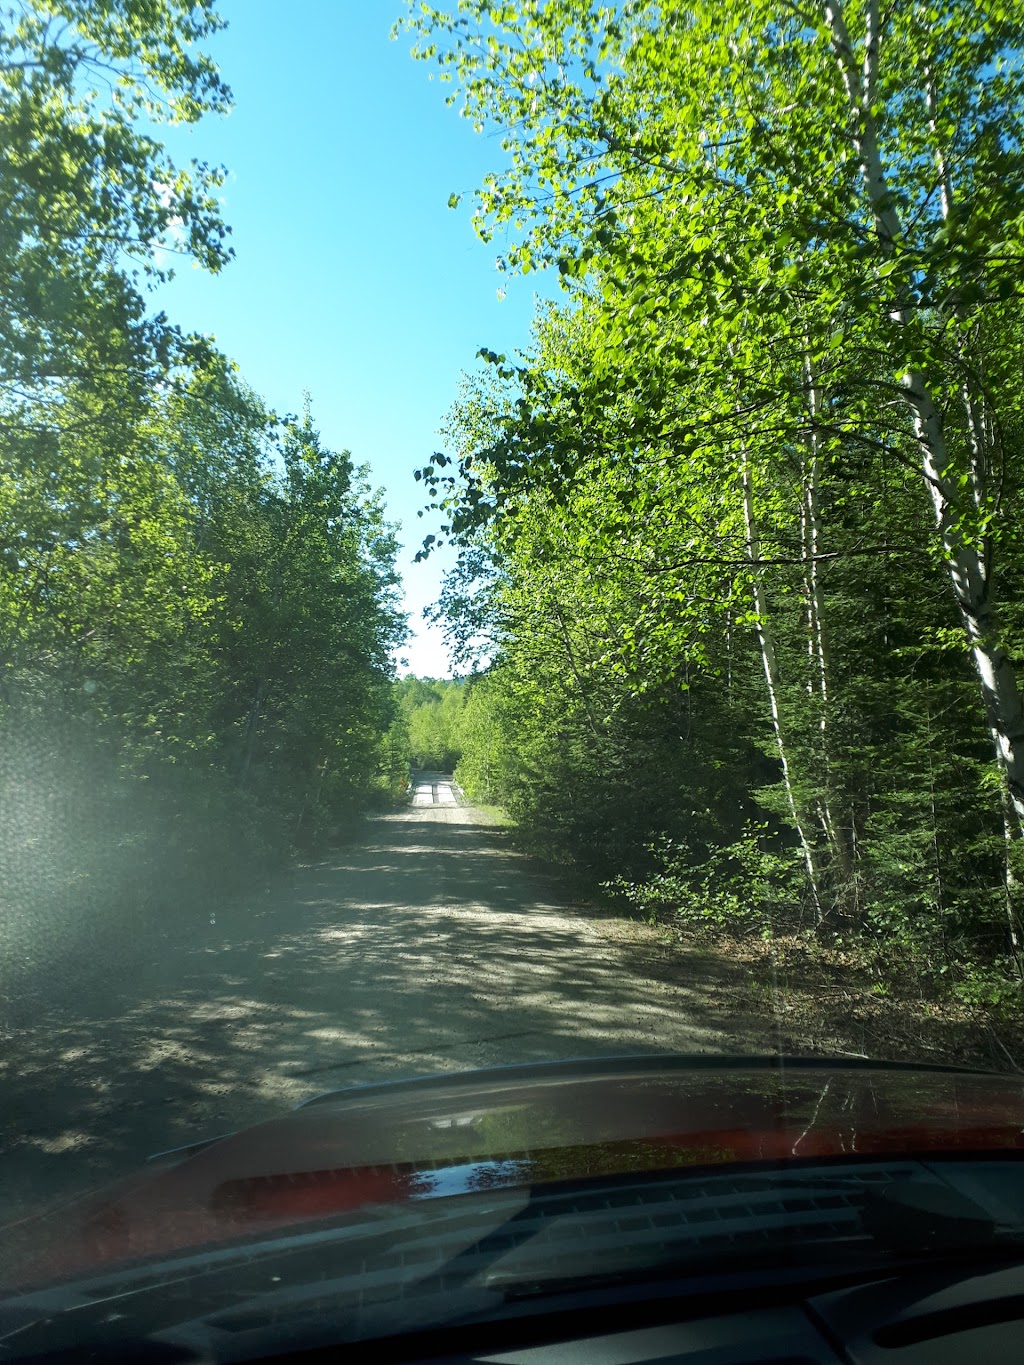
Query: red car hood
[[475, 1131]]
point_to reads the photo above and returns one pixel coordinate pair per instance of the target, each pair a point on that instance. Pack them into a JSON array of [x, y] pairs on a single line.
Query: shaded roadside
[[429, 944]]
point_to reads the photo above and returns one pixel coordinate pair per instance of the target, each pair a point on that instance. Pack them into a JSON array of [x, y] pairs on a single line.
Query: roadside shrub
[[748, 886]]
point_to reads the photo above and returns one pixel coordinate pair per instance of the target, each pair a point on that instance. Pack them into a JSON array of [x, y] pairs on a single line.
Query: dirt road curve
[[429, 944]]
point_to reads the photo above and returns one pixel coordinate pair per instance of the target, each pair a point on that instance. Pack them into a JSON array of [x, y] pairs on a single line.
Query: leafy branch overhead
[[772, 434], [91, 206]]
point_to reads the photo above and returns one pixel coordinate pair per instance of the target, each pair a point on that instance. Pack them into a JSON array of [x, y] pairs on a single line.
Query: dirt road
[[428, 944]]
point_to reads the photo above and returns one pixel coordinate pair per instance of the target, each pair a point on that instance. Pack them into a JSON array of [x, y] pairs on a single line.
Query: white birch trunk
[[769, 660], [968, 570], [818, 635]]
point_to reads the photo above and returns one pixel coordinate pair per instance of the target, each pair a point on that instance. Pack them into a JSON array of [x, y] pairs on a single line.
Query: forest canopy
[[740, 531], [198, 598]]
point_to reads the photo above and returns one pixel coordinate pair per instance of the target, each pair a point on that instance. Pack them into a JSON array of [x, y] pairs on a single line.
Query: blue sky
[[352, 279]]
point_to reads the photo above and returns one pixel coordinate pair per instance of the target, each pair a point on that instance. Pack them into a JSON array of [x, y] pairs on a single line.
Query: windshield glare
[[509, 574]]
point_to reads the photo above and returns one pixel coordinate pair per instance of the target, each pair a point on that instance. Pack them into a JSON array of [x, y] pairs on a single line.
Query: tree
[[432, 712], [91, 206], [760, 205], [198, 600]]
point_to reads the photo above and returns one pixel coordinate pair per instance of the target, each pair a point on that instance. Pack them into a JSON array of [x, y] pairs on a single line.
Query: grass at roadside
[[494, 815]]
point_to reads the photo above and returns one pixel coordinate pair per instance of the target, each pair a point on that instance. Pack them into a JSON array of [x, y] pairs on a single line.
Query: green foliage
[[765, 459], [744, 886], [198, 599], [394, 760], [90, 204], [432, 711], [215, 591]]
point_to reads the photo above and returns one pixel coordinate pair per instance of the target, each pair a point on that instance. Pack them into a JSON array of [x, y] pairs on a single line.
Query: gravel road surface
[[427, 944]]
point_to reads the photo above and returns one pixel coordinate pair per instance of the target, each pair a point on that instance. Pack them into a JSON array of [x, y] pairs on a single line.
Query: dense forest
[[198, 600], [740, 591], [740, 553], [430, 721]]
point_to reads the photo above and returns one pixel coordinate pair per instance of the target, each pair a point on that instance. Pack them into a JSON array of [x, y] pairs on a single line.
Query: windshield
[[509, 555]]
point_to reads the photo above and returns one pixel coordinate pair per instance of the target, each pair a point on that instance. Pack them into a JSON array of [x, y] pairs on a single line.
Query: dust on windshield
[[510, 548]]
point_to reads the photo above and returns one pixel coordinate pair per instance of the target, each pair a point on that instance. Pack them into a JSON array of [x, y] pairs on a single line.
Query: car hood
[[470, 1132]]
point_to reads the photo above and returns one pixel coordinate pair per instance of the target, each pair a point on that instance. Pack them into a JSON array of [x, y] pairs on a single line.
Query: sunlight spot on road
[[335, 1035], [163, 1050], [70, 1141]]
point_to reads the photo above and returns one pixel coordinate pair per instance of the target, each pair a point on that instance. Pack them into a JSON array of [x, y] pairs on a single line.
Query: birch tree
[[738, 171]]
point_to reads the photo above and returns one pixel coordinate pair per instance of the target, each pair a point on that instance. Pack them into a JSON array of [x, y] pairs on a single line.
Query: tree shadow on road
[[430, 946]]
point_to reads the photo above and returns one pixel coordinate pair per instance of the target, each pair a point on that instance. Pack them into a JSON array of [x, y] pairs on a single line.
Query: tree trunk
[[970, 573], [251, 730], [769, 660], [321, 772], [817, 640]]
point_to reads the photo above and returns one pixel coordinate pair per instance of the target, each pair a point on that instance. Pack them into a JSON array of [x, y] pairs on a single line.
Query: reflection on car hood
[[471, 1132]]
